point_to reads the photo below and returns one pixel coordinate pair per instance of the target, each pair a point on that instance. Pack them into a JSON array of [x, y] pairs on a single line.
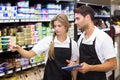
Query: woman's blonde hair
[[62, 18]]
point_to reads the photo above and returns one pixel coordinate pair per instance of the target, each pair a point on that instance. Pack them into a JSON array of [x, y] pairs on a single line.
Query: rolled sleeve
[[75, 51], [108, 48], [42, 45]]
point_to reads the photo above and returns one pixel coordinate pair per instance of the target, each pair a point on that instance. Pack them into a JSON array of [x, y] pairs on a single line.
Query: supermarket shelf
[[4, 50], [8, 20], [28, 46], [39, 20], [103, 16], [29, 20], [67, 0], [2, 74], [10, 72], [71, 19], [22, 68], [25, 46], [26, 20], [87, 3]]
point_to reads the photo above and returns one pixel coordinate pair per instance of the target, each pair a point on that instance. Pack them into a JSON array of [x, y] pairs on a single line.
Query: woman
[[58, 49]]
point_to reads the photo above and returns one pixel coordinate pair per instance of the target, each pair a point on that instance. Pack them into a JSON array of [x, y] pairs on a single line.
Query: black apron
[[88, 54], [53, 69]]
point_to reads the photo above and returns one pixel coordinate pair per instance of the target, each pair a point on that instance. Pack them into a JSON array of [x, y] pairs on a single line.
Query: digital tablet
[[70, 68]]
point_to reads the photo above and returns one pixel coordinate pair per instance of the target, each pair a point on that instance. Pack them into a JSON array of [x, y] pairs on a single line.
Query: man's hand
[[84, 68]]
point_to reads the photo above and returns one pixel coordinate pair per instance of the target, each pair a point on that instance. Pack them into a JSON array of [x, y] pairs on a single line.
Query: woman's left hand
[[70, 63]]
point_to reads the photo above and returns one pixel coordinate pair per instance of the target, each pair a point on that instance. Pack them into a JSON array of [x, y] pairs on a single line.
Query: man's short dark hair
[[85, 10]]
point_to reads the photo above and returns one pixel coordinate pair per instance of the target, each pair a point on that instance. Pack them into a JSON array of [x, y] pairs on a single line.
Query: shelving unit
[[17, 21], [22, 68]]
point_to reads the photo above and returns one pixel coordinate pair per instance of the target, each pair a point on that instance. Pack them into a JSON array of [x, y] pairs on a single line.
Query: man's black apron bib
[[53, 69], [88, 54]]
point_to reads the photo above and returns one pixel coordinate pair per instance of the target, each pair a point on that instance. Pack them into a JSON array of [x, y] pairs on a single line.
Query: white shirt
[[43, 46], [103, 44]]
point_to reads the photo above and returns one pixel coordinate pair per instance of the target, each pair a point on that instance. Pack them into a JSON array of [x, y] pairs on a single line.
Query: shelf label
[[1, 21], [32, 20], [43, 62], [18, 69], [11, 20], [29, 66], [25, 67], [23, 46], [6, 20], [2, 74], [1, 51], [27, 20], [30, 45], [33, 65], [22, 20], [38, 63], [9, 72], [16, 20], [8, 50], [71, 19]]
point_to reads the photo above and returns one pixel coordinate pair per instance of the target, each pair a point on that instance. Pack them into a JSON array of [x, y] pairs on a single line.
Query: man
[[97, 55]]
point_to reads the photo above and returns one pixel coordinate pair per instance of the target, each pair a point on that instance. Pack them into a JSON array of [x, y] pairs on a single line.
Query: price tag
[[29, 66], [2, 74], [1, 21], [6, 21], [27, 20], [25, 67], [8, 50], [43, 62], [32, 20], [22, 20], [38, 63], [1, 51], [33, 65], [9, 72], [11, 20], [23, 46], [18, 69], [30, 45], [16, 20]]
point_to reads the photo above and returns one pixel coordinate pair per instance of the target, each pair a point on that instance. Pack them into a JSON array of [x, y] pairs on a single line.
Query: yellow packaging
[[20, 42], [20, 38], [27, 41], [0, 46], [0, 33], [19, 34], [12, 78], [27, 34], [0, 39], [26, 30], [13, 39]]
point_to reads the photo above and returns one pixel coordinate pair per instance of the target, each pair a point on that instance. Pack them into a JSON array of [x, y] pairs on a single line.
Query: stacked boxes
[[20, 38]]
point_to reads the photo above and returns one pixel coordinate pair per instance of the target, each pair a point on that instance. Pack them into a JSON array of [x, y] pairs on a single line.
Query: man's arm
[[110, 64]]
